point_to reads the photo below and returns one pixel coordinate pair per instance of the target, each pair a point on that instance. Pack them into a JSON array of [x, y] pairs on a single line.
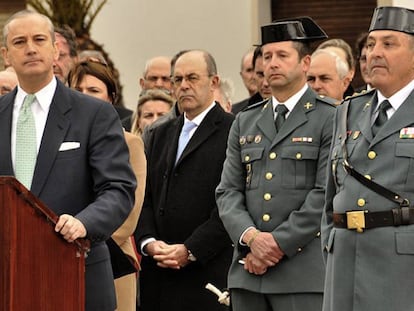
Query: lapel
[[266, 121], [171, 140], [6, 114], [208, 126], [57, 125], [297, 116], [364, 122], [403, 117]]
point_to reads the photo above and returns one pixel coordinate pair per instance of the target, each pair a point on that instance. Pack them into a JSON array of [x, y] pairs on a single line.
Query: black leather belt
[[360, 220]]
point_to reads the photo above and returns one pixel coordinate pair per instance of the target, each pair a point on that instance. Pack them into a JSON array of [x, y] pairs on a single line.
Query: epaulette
[[327, 100], [359, 94], [255, 105]]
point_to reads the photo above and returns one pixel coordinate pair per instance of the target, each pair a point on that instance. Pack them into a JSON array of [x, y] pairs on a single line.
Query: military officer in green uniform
[[272, 189], [367, 225]]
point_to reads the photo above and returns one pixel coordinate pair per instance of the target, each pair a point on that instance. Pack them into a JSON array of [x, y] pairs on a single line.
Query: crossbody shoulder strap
[[379, 189]]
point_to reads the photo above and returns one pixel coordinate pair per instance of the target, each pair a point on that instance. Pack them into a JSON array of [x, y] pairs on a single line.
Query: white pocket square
[[69, 145]]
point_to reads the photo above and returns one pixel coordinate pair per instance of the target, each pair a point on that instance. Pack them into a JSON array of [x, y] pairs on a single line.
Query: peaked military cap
[[393, 18], [293, 29]]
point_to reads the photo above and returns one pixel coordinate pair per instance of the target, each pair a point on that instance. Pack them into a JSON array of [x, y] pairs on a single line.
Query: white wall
[[402, 3], [133, 31]]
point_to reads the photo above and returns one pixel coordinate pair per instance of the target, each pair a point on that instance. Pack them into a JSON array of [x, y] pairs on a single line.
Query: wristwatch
[[191, 257]]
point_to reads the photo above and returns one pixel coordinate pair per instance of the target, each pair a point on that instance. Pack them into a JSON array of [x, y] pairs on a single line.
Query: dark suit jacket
[[180, 207], [240, 106], [93, 182]]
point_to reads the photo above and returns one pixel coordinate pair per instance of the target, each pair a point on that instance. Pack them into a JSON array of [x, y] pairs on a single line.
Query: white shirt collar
[[198, 119], [398, 98], [43, 97], [292, 101]]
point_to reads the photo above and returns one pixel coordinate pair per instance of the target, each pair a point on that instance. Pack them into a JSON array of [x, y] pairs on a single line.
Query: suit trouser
[[244, 300]]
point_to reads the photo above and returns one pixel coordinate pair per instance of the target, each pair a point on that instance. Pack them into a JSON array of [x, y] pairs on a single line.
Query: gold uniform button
[[266, 217], [267, 196], [272, 155], [372, 155], [269, 176], [361, 202], [368, 177], [318, 234], [298, 156], [299, 250]]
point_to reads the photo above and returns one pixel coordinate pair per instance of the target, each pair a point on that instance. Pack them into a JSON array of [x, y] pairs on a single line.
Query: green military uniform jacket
[[370, 271], [276, 183]]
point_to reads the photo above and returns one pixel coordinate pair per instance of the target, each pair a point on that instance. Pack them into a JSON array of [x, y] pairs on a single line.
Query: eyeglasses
[[191, 79]]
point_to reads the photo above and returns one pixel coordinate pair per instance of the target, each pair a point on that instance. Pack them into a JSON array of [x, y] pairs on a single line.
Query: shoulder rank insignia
[[262, 103], [326, 100]]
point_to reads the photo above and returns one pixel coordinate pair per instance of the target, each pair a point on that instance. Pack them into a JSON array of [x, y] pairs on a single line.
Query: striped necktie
[[26, 149]]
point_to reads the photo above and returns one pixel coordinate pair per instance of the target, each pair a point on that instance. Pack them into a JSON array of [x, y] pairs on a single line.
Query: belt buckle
[[356, 220]]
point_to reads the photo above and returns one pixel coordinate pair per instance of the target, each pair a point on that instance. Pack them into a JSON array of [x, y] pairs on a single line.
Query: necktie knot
[[281, 111], [188, 126], [28, 101], [382, 116], [384, 106]]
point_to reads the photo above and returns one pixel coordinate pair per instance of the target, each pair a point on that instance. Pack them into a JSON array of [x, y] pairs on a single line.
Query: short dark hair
[[360, 43], [303, 48], [256, 54], [66, 32]]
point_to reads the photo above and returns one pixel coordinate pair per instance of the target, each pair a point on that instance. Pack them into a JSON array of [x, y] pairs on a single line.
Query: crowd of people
[[295, 198]]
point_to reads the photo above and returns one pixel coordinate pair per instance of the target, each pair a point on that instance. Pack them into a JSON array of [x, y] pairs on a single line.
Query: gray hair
[[226, 87], [342, 67], [22, 14]]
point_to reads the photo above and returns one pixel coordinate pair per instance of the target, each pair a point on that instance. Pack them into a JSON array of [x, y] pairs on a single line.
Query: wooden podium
[[39, 270]]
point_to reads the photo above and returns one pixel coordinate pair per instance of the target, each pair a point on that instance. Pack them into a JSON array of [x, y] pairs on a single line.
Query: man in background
[[328, 74], [8, 80], [247, 75], [180, 235], [68, 54], [157, 74], [263, 88]]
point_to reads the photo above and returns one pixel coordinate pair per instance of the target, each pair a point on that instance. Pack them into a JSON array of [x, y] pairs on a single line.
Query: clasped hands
[[264, 252], [173, 256]]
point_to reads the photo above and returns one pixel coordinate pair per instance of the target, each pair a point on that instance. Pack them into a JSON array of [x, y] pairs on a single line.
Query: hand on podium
[[70, 227]]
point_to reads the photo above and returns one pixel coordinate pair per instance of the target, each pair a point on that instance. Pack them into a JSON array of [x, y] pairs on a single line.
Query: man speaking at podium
[[67, 148]]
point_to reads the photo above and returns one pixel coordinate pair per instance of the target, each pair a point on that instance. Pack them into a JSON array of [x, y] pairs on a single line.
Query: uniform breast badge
[[407, 133]]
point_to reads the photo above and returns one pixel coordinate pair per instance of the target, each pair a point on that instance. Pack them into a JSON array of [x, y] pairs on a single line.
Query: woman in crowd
[[152, 104], [94, 78]]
